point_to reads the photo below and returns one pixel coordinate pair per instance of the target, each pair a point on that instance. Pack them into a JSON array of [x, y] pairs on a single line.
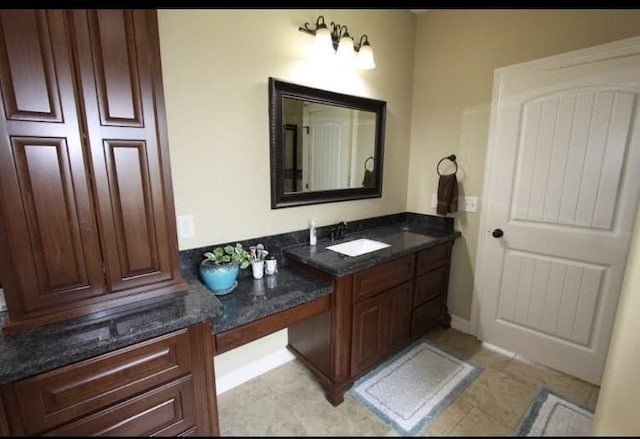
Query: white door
[[563, 185], [329, 148]]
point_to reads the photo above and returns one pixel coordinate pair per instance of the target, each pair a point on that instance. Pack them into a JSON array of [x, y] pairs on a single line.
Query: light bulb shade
[[346, 53], [323, 45], [365, 58]]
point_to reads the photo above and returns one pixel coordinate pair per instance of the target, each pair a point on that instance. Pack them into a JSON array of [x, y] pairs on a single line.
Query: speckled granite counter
[[47, 347], [254, 299], [44, 348], [37, 350], [404, 239]]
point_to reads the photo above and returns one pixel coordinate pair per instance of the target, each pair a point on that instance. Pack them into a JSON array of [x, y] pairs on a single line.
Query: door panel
[[135, 208], [398, 310], [368, 339], [570, 157], [28, 73], [45, 198], [116, 69], [550, 295], [562, 185], [131, 202]]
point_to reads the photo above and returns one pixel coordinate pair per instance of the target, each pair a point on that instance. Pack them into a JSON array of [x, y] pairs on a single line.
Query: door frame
[[615, 49]]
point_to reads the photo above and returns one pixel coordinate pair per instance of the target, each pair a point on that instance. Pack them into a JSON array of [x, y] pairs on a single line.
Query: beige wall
[[215, 65], [455, 55], [619, 398]]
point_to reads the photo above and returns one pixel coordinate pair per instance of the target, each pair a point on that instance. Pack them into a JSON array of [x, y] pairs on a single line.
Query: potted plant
[[220, 267]]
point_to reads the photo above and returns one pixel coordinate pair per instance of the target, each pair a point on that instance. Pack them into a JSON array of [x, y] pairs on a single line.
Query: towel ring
[[365, 163], [451, 158]]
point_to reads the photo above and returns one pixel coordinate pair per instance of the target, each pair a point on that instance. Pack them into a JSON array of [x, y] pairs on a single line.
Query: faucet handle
[[342, 228]]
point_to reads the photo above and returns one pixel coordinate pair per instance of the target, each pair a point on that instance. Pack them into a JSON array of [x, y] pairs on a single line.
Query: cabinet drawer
[[432, 258], [62, 395], [164, 411], [430, 285], [376, 279], [426, 316]]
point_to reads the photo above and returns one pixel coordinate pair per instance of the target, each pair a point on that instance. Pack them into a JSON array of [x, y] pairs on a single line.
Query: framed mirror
[[325, 146]]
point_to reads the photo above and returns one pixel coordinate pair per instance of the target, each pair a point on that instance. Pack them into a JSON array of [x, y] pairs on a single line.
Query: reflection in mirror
[[332, 148], [325, 146]]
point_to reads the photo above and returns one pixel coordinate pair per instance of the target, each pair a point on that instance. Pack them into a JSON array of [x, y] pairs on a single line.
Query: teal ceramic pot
[[220, 279]]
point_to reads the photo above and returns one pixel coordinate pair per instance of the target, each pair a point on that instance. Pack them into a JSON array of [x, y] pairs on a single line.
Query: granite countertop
[[43, 348], [254, 299], [37, 350], [403, 238]]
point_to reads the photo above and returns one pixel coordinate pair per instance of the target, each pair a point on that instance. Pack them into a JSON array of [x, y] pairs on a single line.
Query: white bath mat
[[552, 415], [411, 389]]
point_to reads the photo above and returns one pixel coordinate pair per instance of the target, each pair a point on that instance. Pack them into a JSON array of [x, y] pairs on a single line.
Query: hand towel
[[368, 178], [447, 194]]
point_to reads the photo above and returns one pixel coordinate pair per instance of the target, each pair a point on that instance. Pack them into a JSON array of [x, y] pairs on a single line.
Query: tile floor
[[287, 401]]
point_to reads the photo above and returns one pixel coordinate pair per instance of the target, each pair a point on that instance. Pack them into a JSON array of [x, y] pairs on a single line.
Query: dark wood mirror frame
[[278, 91]]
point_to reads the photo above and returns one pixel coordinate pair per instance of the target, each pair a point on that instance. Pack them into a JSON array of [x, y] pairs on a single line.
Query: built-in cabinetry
[[382, 298], [86, 207], [162, 386], [374, 313]]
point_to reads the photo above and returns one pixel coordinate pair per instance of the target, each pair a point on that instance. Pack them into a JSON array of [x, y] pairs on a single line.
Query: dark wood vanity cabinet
[[430, 290], [382, 307], [86, 205], [374, 314], [164, 386]]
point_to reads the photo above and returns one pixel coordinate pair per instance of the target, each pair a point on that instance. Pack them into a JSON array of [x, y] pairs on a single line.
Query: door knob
[[497, 233]]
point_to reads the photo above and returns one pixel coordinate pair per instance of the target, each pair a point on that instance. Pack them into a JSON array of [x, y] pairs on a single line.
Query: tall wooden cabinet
[[86, 207]]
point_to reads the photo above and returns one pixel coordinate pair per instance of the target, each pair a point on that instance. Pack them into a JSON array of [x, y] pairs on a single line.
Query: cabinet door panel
[[132, 207], [119, 69], [398, 319], [116, 68], [367, 346], [28, 60], [45, 202]]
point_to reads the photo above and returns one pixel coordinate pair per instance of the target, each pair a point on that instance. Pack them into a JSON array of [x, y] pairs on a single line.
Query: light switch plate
[[186, 228], [470, 204]]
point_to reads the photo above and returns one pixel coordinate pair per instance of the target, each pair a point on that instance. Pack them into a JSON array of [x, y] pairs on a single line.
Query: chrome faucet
[[339, 230]]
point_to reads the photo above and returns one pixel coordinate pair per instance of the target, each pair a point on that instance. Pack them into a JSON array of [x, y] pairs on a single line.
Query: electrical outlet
[[434, 200], [186, 229]]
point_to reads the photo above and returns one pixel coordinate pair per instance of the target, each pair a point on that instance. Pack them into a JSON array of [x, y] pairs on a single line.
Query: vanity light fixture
[[338, 41]]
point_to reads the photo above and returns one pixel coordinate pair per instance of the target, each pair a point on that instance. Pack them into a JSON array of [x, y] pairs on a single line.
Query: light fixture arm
[[319, 24], [337, 31], [364, 41]]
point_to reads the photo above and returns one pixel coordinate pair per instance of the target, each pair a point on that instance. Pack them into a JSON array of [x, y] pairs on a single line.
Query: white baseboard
[[282, 356], [499, 349], [252, 370], [462, 325]]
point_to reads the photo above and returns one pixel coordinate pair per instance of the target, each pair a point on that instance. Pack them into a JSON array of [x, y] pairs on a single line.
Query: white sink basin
[[358, 247]]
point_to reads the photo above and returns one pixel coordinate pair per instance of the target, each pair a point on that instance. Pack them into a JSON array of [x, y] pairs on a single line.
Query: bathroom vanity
[[147, 368], [381, 301]]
